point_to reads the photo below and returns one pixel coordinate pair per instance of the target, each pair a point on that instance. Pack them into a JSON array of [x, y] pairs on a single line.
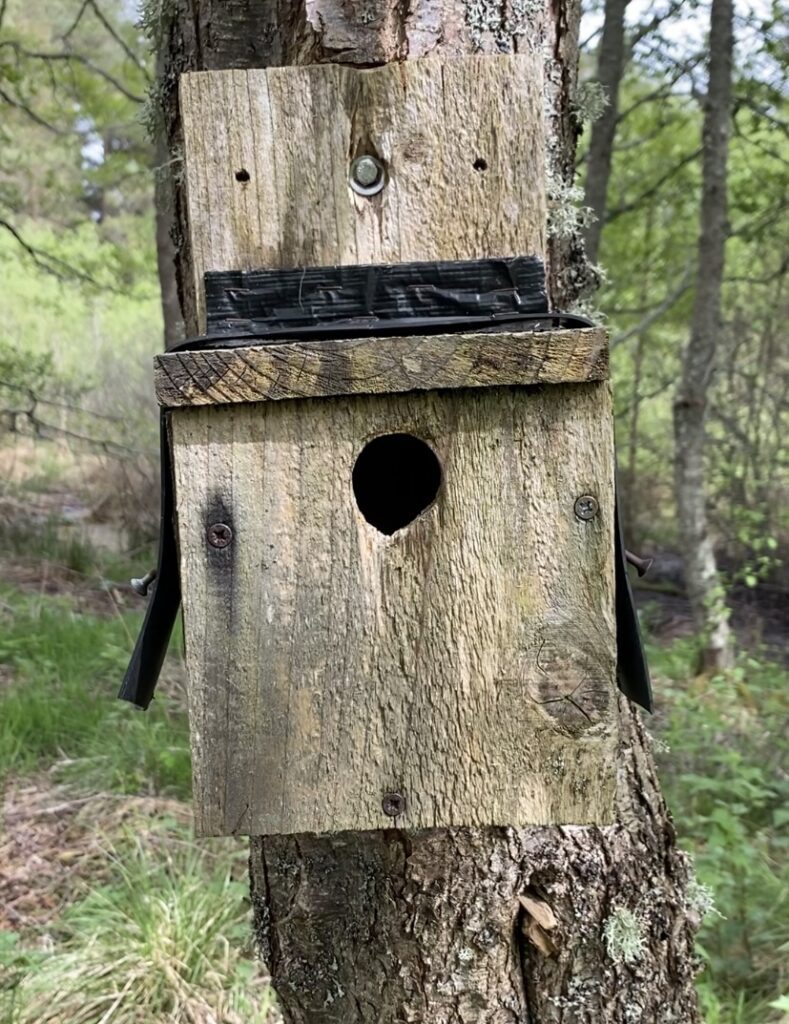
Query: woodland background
[[108, 911]]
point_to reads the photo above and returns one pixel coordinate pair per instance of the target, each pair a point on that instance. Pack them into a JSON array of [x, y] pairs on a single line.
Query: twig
[[29, 112], [655, 187], [119, 40], [62, 808], [39, 400], [108, 447], [60, 56], [76, 21], [660, 91], [647, 28], [658, 311], [46, 261]]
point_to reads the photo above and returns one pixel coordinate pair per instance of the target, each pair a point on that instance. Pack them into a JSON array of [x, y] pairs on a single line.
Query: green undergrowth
[[724, 759], [67, 549], [164, 937], [161, 935], [60, 670], [126, 919]]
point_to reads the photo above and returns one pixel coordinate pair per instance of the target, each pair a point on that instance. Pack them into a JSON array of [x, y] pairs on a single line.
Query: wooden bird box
[[396, 552]]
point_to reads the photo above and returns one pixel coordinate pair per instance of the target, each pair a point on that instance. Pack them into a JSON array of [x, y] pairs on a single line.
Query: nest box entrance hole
[[395, 478]]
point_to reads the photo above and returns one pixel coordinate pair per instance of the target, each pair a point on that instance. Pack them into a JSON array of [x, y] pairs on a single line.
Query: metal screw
[[140, 584], [586, 507], [642, 565], [219, 535], [393, 805], [367, 175]]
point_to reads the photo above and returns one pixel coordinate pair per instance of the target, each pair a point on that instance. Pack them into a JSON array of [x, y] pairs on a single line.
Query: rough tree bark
[[172, 319], [690, 406], [492, 926], [165, 250], [610, 67]]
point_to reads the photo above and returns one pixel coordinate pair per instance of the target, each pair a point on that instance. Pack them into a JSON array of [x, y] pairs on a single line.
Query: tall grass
[[165, 941], [64, 668]]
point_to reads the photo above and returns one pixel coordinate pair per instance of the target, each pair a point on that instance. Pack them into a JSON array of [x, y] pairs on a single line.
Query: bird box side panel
[[464, 664]]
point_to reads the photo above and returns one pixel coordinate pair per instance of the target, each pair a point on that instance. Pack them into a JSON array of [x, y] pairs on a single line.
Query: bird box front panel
[[399, 609]]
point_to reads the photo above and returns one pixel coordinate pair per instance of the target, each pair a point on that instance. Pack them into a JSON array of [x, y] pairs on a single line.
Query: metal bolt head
[[140, 584], [367, 175], [586, 507], [393, 805], [219, 535]]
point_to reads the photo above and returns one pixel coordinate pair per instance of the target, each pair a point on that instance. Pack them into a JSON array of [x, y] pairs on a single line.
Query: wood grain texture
[[466, 661], [368, 366], [294, 132]]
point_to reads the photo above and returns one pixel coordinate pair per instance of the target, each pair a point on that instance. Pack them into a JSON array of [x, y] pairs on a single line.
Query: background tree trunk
[[610, 67], [491, 926], [690, 407]]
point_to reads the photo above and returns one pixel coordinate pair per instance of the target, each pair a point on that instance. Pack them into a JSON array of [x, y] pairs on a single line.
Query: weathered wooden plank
[[466, 661], [379, 365], [267, 155]]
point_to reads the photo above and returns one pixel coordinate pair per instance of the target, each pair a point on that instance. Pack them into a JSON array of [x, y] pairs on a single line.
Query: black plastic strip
[[257, 302], [149, 652], [632, 671], [365, 327]]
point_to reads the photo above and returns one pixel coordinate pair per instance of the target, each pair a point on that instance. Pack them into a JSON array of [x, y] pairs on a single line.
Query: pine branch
[[29, 112], [78, 58], [48, 262], [657, 312]]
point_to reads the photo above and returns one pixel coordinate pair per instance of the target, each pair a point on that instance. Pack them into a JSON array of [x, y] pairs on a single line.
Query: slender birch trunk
[[610, 68], [690, 406]]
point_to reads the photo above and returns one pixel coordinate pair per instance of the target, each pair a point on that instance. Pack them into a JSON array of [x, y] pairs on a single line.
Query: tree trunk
[[172, 319], [610, 67], [165, 250], [632, 498], [690, 406], [491, 926]]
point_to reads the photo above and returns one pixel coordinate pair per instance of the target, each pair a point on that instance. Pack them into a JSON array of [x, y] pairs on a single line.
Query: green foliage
[[74, 153], [61, 669], [648, 252], [23, 370], [85, 356], [725, 776], [166, 939], [754, 547]]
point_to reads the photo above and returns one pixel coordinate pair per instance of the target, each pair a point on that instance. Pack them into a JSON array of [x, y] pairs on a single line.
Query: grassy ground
[[109, 911], [113, 915]]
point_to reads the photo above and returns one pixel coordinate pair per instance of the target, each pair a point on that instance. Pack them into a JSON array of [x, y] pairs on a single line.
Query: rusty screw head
[[219, 535], [586, 507], [393, 805]]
